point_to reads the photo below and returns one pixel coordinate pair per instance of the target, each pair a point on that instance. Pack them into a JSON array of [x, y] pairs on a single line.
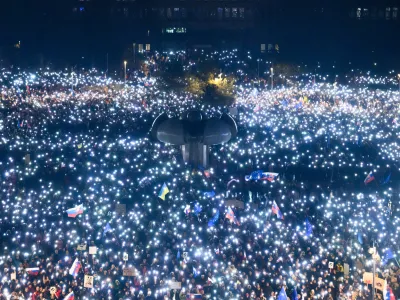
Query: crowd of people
[[93, 208]]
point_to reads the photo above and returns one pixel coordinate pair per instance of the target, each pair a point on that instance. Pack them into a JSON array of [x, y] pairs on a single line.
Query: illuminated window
[[365, 12], [147, 47], [169, 13], [234, 12], [241, 13], [262, 48], [140, 48], [176, 13], [358, 14], [387, 15], [395, 11], [227, 12], [277, 48], [175, 30], [270, 47]]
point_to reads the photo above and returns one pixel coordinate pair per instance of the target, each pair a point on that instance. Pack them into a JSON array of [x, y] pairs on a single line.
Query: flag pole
[[397, 262], [374, 269]]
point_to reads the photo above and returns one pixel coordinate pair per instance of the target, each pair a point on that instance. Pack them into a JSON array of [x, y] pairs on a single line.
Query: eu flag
[[388, 255]]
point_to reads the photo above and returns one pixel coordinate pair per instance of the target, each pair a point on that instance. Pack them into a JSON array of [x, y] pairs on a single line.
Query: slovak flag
[[32, 271], [270, 176], [231, 216], [389, 294], [276, 210], [70, 296], [187, 209], [369, 178], [73, 212], [75, 268]]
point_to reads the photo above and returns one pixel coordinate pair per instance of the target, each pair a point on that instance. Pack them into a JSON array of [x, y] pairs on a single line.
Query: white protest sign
[[88, 283], [81, 247], [92, 250], [14, 276], [125, 256], [346, 269], [367, 277], [174, 285], [330, 265], [128, 271]]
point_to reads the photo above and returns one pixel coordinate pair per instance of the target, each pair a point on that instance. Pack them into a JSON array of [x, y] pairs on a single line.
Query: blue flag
[[214, 220], [107, 228], [308, 228], [387, 179], [209, 194], [195, 273], [197, 209], [359, 237], [178, 256], [388, 255], [282, 295], [294, 296]]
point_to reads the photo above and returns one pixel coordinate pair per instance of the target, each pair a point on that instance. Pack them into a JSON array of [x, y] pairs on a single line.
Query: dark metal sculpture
[[194, 133]]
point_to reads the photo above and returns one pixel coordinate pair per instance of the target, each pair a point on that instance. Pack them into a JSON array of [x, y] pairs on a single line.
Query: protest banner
[[128, 271], [175, 285], [88, 282]]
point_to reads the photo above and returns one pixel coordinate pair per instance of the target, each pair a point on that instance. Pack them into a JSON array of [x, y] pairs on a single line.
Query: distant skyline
[[306, 31]]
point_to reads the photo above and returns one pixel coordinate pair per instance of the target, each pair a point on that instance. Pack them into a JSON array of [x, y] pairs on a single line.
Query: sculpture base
[[196, 154]]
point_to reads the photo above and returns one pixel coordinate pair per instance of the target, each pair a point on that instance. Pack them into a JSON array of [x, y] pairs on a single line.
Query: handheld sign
[[128, 271], [88, 283], [81, 247]]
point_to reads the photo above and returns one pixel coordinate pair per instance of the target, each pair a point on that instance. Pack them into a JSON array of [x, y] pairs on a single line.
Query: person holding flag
[[163, 192], [214, 220], [231, 216], [282, 295], [370, 177], [70, 296], [76, 266], [277, 211]]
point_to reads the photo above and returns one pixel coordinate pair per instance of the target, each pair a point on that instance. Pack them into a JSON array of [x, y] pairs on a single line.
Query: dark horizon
[[83, 32]]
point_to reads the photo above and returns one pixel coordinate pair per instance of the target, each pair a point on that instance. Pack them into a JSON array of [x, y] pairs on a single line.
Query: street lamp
[[272, 78], [398, 77], [125, 62]]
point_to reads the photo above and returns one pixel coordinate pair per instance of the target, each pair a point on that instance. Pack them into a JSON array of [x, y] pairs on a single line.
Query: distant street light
[[272, 78], [398, 77], [125, 62]]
